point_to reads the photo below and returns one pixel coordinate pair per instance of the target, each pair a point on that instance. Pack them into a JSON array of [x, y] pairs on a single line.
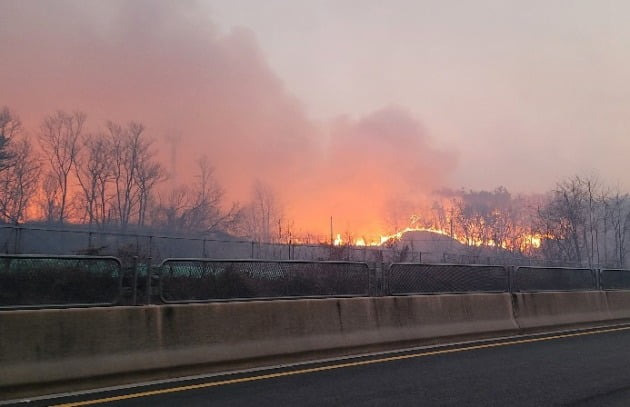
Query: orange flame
[[527, 241]]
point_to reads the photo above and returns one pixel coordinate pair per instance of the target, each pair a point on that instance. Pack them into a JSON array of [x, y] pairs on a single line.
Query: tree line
[[113, 178], [581, 221]]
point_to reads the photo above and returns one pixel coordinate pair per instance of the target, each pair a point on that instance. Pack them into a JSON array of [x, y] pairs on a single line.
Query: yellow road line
[[330, 367]]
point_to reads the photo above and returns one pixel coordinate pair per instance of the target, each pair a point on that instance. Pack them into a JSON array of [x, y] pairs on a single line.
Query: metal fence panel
[[416, 278], [553, 279], [190, 280], [41, 281], [615, 279]]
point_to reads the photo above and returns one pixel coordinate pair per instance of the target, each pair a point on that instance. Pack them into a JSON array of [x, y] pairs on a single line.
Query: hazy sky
[[342, 106], [525, 91]]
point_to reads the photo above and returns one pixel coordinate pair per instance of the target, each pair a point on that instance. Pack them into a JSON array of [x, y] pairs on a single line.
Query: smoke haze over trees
[[201, 92], [146, 115], [113, 178]]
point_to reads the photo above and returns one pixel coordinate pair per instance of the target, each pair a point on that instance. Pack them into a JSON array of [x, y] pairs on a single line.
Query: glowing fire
[[399, 235], [338, 240], [527, 241], [534, 241]]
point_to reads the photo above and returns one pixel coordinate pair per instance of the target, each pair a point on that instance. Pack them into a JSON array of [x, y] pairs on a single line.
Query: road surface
[[579, 368]]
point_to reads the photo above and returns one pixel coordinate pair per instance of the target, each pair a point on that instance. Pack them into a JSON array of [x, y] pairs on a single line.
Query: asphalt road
[[582, 369]]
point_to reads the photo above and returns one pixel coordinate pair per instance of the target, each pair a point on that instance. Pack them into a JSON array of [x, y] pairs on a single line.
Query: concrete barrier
[[545, 309], [44, 347], [618, 304], [39, 346]]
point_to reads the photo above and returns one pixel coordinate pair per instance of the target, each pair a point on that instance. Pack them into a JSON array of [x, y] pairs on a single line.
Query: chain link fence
[[127, 245], [44, 281], [614, 279], [186, 280], [553, 279], [412, 278]]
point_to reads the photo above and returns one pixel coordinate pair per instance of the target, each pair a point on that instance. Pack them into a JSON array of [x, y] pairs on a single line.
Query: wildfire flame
[[338, 240], [528, 241]]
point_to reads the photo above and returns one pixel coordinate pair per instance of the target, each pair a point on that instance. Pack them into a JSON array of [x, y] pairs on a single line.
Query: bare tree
[[48, 201], [19, 169], [208, 207], [619, 216], [10, 126], [148, 174], [18, 183], [59, 139], [94, 174], [135, 172], [262, 214], [198, 209], [564, 221], [172, 210], [124, 161]]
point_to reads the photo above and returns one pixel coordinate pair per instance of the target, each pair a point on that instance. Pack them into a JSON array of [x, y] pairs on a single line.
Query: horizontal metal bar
[[557, 290], [59, 257], [554, 268], [401, 294], [448, 265], [249, 299], [201, 260], [56, 306]]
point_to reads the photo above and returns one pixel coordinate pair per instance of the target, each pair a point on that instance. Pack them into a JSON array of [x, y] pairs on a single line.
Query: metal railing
[[43, 281], [614, 279], [39, 281], [203, 280], [418, 278], [144, 243], [525, 279]]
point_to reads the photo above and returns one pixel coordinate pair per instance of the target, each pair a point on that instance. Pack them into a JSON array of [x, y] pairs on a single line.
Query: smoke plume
[[203, 92]]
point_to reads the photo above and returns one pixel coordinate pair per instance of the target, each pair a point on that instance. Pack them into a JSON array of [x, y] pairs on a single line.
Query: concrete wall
[[53, 345], [548, 309], [43, 346], [544, 309]]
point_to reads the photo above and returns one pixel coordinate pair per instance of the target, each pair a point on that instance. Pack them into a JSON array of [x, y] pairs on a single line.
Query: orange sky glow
[[201, 89]]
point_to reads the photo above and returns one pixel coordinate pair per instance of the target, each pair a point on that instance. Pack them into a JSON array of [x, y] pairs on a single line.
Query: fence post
[[385, 278], [134, 289], [148, 284], [16, 246], [252, 256], [598, 278], [203, 250], [381, 274], [419, 257], [149, 248]]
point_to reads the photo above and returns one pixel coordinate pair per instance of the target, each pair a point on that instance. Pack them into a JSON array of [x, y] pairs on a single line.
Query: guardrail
[[38, 281], [614, 279], [417, 278], [204, 280], [43, 281], [525, 279]]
